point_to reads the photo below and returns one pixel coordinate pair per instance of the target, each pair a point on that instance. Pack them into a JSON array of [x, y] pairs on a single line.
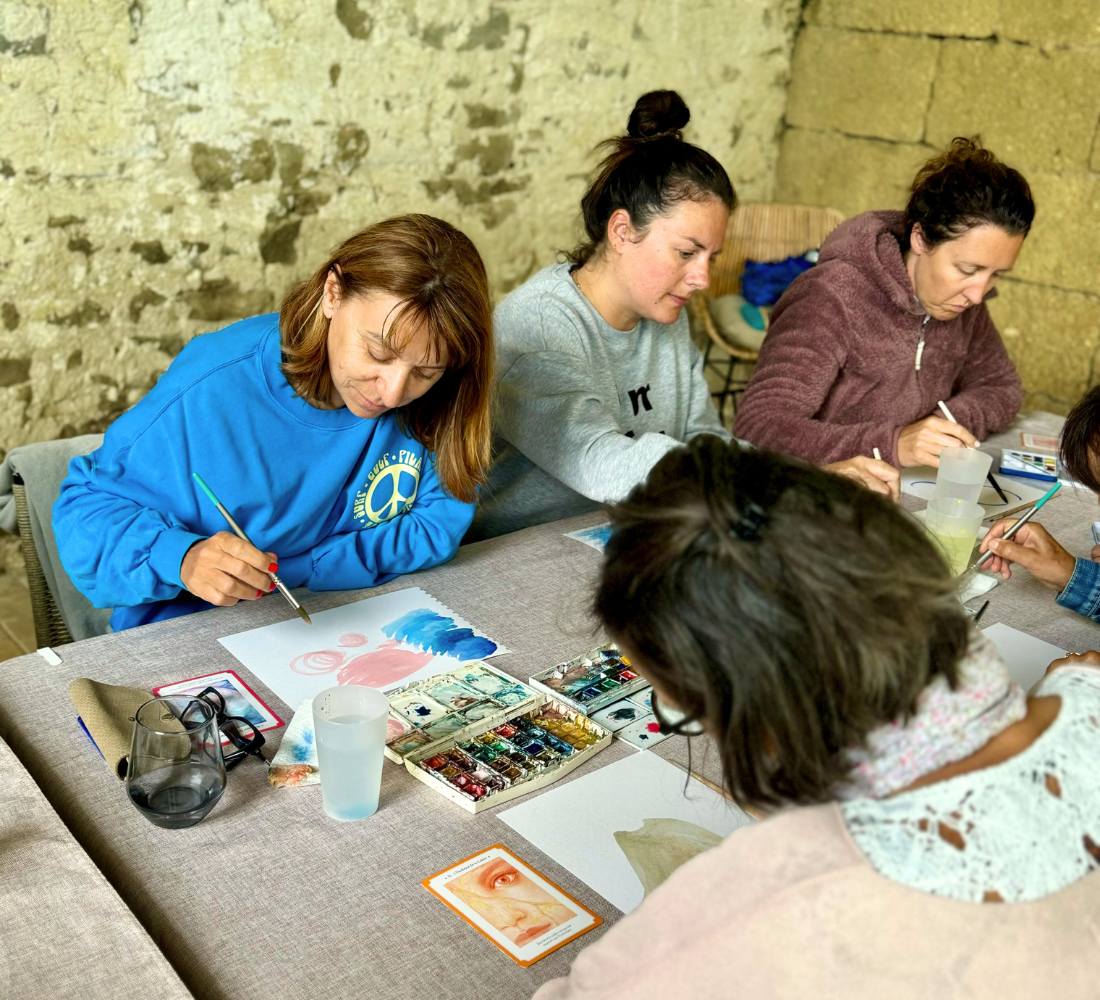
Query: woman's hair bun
[[657, 115]]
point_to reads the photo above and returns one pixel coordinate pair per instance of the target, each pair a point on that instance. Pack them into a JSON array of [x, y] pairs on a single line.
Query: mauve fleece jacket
[[841, 372]]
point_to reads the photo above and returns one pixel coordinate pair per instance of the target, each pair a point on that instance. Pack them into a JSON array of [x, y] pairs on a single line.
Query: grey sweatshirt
[[584, 411]]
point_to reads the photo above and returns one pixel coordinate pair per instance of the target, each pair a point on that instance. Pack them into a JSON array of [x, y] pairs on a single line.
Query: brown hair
[[438, 274], [1081, 440], [648, 170], [963, 187], [790, 610]]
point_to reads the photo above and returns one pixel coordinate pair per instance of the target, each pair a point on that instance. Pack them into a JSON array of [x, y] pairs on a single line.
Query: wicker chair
[[33, 473], [755, 232]]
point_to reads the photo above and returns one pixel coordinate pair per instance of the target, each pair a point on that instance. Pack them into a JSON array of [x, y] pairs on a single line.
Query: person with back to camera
[[892, 320], [347, 434], [1034, 548], [932, 831], [598, 374]]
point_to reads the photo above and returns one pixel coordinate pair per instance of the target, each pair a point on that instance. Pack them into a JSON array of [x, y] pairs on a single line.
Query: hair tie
[[747, 526], [672, 133]]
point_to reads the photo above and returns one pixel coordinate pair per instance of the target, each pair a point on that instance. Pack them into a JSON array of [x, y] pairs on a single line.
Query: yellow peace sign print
[[392, 492]]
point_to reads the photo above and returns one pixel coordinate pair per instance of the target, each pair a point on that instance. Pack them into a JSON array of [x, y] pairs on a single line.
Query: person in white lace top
[[811, 629]]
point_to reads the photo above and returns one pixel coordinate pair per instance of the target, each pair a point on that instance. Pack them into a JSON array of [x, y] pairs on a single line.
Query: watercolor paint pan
[[471, 696], [589, 682], [530, 749], [510, 741]]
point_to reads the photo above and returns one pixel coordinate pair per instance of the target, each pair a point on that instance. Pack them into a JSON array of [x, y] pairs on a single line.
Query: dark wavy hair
[[790, 610], [649, 170], [1081, 440], [963, 187]]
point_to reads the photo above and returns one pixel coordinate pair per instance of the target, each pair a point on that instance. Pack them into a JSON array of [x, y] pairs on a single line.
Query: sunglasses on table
[[244, 736]]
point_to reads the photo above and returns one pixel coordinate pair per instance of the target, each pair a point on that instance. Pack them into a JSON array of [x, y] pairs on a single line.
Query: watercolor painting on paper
[[595, 537], [642, 818], [382, 642]]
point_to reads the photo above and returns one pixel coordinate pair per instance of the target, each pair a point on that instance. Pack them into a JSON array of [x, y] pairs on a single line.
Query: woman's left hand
[[876, 475]]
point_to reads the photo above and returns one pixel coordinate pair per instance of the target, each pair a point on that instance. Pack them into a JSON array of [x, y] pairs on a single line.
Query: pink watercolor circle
[[319, 661], [353, 639]]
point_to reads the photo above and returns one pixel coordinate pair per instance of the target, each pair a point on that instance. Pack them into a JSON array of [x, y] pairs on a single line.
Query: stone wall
[[876, 88], [168, 167]]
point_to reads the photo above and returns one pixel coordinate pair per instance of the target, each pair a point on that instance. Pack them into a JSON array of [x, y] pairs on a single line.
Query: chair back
[[760, 231], [34, 473]]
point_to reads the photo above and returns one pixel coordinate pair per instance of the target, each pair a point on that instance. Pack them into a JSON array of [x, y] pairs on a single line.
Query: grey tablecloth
[[268, 896]]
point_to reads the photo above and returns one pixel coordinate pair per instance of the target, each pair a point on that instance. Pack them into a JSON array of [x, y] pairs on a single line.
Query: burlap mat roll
[[107, 711]]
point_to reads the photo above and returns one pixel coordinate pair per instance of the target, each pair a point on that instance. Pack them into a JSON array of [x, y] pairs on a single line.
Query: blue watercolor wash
[[302, 752], [427, 629]]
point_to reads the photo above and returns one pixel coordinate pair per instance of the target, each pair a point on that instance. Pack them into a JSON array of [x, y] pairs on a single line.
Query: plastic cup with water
[[962, 473], [954, 524], [349, 723], [176, 772]]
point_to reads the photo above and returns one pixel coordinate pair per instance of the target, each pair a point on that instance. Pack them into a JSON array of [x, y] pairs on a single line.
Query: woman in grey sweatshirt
[[598, 375]]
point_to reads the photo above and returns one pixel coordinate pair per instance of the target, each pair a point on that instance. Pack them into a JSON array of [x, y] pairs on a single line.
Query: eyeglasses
[[239, 731], [672, 720]]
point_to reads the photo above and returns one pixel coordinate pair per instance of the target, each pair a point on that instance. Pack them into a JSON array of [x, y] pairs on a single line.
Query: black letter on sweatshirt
[[641, 394]]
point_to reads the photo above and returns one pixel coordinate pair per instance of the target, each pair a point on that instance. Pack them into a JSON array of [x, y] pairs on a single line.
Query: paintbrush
[[1027, 516], [239, 532], [989, 475]]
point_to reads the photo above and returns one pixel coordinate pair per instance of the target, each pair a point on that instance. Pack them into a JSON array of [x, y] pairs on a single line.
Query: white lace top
[[1018, 830]]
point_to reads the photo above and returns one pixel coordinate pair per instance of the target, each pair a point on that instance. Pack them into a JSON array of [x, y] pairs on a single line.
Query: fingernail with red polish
[[259, 593], [273, 568], [271, 588]]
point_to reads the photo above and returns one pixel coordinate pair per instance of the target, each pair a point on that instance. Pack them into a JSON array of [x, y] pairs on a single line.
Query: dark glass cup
[[176, 773]]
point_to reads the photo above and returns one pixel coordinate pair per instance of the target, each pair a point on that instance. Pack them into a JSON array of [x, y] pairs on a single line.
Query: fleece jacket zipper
[[920, 344]]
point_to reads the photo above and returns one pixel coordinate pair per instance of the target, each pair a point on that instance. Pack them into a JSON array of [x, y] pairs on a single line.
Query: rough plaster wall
[[878, 87], [169, 167]]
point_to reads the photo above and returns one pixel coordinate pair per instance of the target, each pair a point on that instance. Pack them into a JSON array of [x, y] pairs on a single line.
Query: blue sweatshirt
[[344, 502]]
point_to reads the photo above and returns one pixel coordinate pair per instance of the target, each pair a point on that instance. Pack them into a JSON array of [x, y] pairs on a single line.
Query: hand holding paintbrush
[[224, 569]]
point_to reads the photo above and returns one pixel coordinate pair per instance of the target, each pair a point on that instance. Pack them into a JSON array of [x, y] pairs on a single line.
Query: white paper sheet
[[380, 641], [1026, 656], [576, 823]]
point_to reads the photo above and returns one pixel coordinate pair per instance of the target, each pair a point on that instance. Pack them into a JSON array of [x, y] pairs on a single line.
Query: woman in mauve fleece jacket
[[892, 320]]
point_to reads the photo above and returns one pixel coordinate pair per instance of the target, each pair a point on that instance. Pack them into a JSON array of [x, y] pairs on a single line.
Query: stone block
[[973, 19], [849, 174], [1053, 337], [1035, 110], [861, 83], [1068, 22], [1063, 248]]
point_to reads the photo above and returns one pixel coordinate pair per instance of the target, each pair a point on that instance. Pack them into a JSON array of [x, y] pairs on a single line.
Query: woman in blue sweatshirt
[[348, 435]]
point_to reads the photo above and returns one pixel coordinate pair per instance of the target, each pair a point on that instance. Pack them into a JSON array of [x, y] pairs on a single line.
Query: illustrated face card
[[240, 700], [523, 913]]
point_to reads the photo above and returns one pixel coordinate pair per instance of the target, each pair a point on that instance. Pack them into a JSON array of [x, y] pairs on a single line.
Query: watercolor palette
[[480, 737], [438, 707], [589, 682]]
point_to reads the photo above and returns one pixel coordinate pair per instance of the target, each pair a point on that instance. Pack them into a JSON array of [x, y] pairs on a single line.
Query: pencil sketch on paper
[[379, 642]]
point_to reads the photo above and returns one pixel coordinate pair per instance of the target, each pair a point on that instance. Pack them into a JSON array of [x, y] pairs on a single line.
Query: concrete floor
[[16, 624]]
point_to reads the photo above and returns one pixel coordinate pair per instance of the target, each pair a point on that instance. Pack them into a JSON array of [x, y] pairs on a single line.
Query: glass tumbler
[[176, 773]]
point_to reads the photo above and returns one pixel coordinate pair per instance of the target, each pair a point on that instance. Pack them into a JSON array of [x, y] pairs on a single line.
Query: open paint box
[[481, 738], [587, 683]]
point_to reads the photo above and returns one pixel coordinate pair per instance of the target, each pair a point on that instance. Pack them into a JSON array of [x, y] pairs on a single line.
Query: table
[[268, 896]]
